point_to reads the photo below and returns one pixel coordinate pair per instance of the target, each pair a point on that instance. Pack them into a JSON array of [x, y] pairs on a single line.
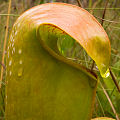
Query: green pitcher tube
[[41, 84]]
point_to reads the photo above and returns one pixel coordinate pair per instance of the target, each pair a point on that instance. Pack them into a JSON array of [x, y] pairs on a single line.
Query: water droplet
[[6, 96], [104, 71], [20, 72], [10, 73], [107, 73], [20, 51], [10, 62]]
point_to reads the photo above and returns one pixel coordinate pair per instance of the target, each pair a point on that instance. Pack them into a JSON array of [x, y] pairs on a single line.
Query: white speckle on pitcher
[[12, 52], [16, 33], [18, 25], [20, 62], [14, 49], [12, 44], [19, 51], [20, 72], [10, 62], [10, 73], [8, 54]]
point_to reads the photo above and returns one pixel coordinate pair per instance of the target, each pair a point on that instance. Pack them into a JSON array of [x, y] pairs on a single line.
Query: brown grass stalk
[[5, 41], [114, 80], [110, 102], [79, 3]]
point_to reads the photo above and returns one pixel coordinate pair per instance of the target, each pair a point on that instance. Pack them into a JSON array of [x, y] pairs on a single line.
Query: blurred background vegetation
[[107, 98]]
